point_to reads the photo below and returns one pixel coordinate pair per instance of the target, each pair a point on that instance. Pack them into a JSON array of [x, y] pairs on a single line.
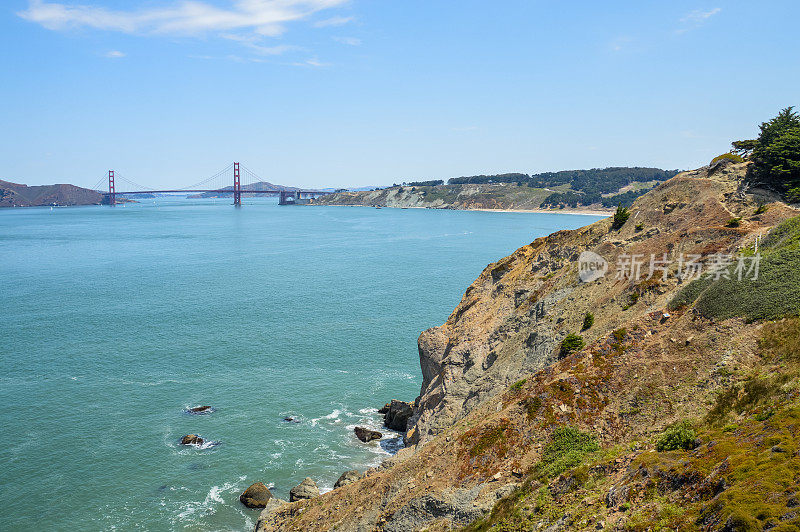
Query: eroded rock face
[[192, 439], [366, 435], [305, 490], [397, 414], [256, 496], [348, 477], [457, 506]]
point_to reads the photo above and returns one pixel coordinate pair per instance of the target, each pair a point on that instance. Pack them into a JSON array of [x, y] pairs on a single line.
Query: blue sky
[[358, 92]]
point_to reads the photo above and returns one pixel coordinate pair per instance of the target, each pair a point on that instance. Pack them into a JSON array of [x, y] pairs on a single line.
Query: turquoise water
[[116, 319]]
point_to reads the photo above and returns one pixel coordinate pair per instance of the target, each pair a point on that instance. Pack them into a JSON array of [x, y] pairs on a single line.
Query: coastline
[[580, 212]]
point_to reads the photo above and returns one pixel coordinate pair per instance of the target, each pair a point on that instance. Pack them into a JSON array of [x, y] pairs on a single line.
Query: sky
[[328, 93]]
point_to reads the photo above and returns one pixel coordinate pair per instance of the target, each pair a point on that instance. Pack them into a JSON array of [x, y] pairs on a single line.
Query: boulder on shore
[[305, 490], [396, 417], [256, 496], [348, 477], [204, 409], [192, 439], [366, 435]]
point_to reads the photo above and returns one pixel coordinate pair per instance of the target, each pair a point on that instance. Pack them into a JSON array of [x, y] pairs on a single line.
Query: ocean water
[[115, 320]]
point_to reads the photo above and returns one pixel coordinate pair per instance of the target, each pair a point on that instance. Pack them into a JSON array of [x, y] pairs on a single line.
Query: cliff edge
[[545, 397]]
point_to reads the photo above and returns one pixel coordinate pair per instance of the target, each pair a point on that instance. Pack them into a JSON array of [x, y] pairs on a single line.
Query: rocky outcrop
[[456, 506], [366, 435], [192, 439], [348, 477], [397, 414], [256, 496], [270, 515], [205, 409], [307, 489]]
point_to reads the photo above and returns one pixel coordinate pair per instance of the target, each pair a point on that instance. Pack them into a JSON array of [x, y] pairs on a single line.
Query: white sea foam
[[195, 509], [332, 416]]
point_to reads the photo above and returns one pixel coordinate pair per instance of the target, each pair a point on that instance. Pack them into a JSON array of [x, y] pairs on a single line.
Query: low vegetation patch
[[769, 287], [571, 344], [679, 436], [567, 448], [588, 321]]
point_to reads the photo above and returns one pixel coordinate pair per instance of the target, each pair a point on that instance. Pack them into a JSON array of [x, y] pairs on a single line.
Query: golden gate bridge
[[232, 173]]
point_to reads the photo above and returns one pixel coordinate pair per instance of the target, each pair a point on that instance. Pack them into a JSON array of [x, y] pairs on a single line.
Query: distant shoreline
[[579, 212]]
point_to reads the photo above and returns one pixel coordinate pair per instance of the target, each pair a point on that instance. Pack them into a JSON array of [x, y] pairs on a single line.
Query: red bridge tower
[[237, 185], [112, 197]]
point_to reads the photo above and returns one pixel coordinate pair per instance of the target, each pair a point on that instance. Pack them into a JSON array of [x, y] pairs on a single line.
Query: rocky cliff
[[516, 429]]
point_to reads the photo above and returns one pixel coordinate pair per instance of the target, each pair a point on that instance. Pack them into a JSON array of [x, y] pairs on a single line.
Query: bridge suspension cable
[[102, 181], [136, 185], [208, 180]]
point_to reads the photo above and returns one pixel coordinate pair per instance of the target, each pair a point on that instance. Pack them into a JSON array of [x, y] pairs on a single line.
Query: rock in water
[[256, 496], [384, 409], [192, 439], [305, 490], [396, 417], [348, 477], [205, 409], [366, 435]]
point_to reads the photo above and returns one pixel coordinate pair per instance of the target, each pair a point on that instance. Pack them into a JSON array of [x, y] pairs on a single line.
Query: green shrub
[[734, 222], [572, 343], [620, 217], [678, 436], [730, 156], [793, 195], [517, 386], [588, 321], [761, 209], [566, 449], [639, 227]]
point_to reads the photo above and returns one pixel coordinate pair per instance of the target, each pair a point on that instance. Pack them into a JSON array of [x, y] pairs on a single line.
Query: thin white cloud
[[254, 43], [350, 41], [265, 17], [313, 62], [700, 16], [333, 21], [696, 18], [464, 129], [114, 54]]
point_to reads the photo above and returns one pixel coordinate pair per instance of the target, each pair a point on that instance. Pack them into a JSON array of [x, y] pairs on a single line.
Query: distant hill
[[18, 195], [596, 188], [261, 185]]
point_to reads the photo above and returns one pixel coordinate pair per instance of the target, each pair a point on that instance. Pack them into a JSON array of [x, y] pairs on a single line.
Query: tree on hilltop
[[776, 154]]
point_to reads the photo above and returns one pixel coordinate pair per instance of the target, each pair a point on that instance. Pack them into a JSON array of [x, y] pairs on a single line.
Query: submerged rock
[[290, 419], [366, 435], [348, 477], [256, 496], [397, 414], [192, 439], [204, 409], [305, 490]]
